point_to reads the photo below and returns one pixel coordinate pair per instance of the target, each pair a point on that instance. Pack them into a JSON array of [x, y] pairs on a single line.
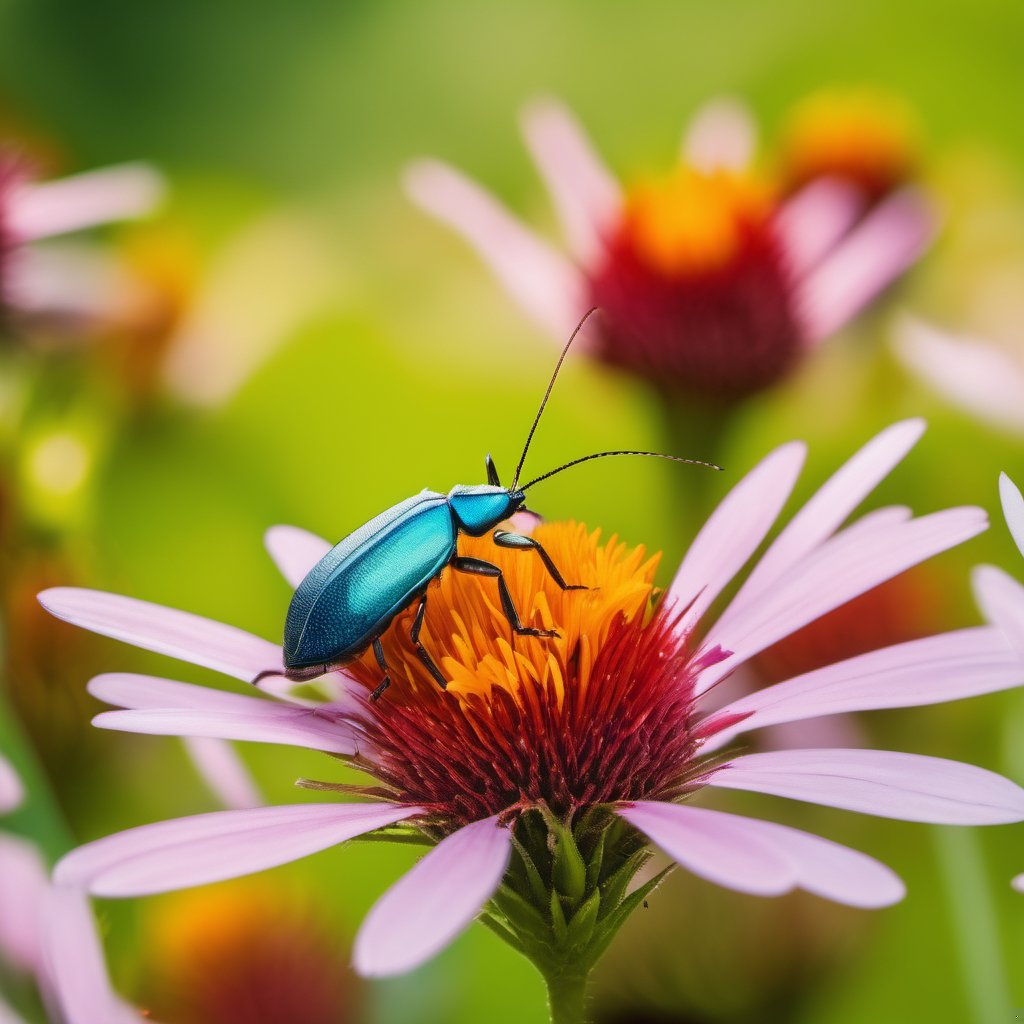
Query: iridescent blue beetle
[[350, 596]]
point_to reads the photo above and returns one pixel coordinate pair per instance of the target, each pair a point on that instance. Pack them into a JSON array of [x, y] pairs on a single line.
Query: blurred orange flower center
[[694, 222]]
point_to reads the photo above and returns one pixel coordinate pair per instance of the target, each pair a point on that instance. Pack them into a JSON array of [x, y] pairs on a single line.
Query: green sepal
[[568, 870], [614, 887], [522, 915], [581, 926], [559, 927]]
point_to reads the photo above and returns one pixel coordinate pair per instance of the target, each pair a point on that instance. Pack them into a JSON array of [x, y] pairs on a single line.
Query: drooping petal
[[888, 783], [1013, 508], [850, 563], [431, 904], [165, 630], [75, 980], [168, 708], [825, 512], [975, 374], [11, 792], [223, 771], [212, 847], [295, 551], [830, 870], [84, 200], [1001, 599], [23, 884], [722, 135], [547, 286], [814, 220], [717, 846], [885, 244], [587, 197], [734, 531], [940, 668]]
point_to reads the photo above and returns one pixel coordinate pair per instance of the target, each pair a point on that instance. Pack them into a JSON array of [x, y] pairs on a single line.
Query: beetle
[[349, 598]]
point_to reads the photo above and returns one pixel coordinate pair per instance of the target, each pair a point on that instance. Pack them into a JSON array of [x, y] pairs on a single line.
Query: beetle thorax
[[477, 509]]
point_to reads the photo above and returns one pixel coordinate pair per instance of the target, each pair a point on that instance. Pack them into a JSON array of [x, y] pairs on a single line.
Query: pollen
[[597, 714], [694, 222], [864, 136]]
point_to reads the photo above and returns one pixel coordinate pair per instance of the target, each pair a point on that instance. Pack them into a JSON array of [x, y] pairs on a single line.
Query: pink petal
[[851, 563], [1018, 883], [1013, 509], [973, 373], [830, 870], [223, 771], [11, 792], [132, 690], [164, 707], [888, 783], [431, 904], [84, 200], [814, 220], [587, 197], [295, 551], [940, 668], [825, 512], [547, 286], [885, 244], [734, 531], [75, 979], [717, 846], [212, 847], [23, 885], [1001, 599], [165, 630], [722, 135], [263, 723]]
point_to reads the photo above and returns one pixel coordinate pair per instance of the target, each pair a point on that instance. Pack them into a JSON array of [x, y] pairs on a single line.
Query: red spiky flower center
[[603, 713], [695, 287]]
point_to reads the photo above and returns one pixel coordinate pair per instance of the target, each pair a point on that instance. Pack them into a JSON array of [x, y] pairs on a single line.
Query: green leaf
[[569, 872]]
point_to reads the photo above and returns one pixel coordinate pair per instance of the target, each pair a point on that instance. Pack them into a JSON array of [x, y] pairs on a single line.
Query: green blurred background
[[405, 364]]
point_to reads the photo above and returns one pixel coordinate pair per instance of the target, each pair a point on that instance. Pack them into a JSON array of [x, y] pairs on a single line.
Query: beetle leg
[[378, 653], [518, 542], [421, 651], [478, 567]]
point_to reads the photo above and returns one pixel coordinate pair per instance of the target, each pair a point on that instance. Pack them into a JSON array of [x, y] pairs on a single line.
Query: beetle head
[[482, 507]]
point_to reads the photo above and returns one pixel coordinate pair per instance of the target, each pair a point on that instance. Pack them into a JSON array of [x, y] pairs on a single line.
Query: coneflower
[[544, 773]]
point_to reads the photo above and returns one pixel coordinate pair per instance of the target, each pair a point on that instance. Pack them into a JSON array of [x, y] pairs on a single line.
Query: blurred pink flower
[[709, 284], [985, 379], [40, 279], [470, 769], [48, 932]]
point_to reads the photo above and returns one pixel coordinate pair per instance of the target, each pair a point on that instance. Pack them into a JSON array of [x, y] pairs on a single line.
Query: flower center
[[862, 136], [245, 952], [598, 714], [696, 289], [694, 222]]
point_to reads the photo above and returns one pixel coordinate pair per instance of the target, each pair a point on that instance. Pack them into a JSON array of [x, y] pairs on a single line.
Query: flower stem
[[974, 924], [567, 997]]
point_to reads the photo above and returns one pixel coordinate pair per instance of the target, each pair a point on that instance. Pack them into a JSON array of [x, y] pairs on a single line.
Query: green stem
[[567, 998], [975, 930]]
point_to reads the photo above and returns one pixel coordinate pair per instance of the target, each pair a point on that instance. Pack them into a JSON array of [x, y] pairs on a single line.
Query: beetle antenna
[[601, 455], [547, 393]]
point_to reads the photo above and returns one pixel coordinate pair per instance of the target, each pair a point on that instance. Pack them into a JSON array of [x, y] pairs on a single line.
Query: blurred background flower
[[287, 339]]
